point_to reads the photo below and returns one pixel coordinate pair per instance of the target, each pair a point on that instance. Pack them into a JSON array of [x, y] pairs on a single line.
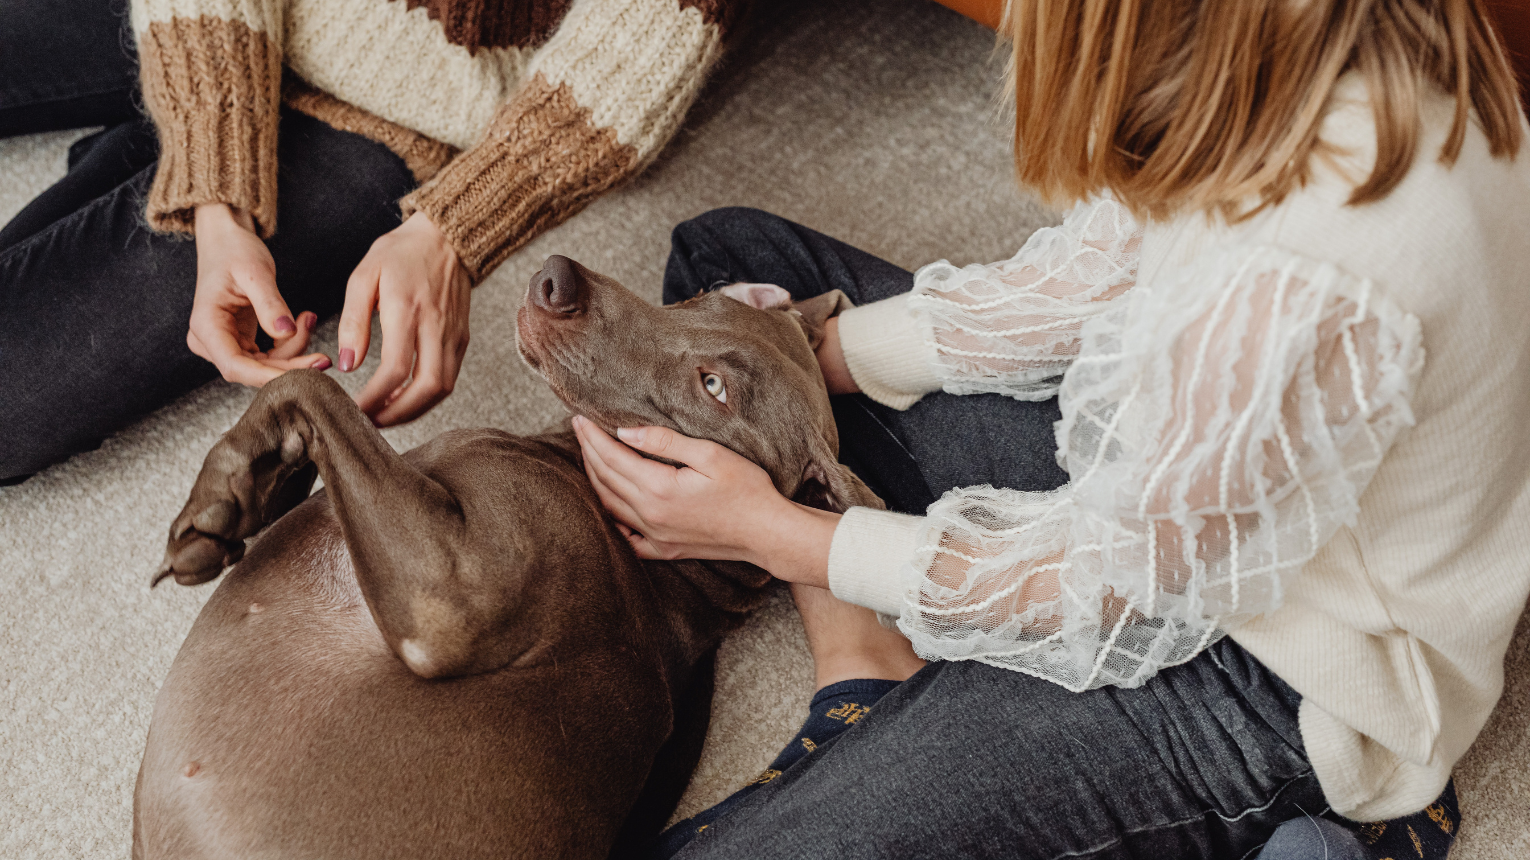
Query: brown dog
[[453, 653]]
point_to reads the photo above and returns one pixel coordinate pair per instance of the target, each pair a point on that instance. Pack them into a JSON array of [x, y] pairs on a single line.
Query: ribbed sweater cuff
[[213, 88], [886, 354], [869, 557], [542, 160]]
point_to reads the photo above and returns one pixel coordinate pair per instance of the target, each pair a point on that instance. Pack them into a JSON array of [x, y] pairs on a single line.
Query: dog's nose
[[559, 288]]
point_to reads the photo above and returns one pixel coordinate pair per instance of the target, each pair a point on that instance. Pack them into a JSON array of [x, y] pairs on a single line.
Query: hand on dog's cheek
[[720, 506]]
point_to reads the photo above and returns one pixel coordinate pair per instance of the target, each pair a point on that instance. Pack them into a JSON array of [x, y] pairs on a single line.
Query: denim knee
[[722, 221], [1308, 838], [703, 249]]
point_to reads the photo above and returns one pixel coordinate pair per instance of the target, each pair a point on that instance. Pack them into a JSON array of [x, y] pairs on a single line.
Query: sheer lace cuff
[[870, 557], [888, 357], [1012, 327]]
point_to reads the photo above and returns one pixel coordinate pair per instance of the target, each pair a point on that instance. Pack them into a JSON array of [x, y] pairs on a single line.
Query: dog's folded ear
[[766, 297], [811, 314], [833, 487]]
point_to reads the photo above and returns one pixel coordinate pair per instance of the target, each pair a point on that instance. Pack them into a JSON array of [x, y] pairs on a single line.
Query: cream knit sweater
[[1258, 447], [515, 114]]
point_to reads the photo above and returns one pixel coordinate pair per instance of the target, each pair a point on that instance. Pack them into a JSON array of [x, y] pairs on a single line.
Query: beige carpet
[[872, 121]]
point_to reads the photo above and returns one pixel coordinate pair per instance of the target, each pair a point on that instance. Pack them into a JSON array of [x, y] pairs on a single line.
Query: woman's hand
[[831, 361], [237, 295], [718, 506], [413, 279]]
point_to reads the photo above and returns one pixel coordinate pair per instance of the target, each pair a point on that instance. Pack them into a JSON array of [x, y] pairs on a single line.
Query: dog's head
[[735, 366]]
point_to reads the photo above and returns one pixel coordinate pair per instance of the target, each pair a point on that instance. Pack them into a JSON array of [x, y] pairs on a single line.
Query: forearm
[[831, 361], [215, 216], [793, 543]]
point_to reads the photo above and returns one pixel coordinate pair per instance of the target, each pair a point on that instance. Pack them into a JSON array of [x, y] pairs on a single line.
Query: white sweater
[[1257, 445]]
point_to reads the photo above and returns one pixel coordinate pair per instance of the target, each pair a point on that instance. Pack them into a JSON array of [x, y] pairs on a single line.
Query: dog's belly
[[286, 728]]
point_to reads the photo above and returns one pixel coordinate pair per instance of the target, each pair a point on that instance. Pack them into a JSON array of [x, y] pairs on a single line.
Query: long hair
[[1216, 105]]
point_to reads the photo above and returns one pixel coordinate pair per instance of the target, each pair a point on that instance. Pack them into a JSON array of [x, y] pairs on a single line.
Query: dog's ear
[[812, 313], [766, 297], [833, 487]]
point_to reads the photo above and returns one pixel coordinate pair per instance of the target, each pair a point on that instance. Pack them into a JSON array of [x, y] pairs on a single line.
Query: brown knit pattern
[[541, 161], [424, 156], [213, 88], [475, 24]]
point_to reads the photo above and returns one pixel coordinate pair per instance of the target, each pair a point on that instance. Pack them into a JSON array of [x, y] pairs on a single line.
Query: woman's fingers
[[398, 352], [194, 344], [294, 347], [233, 352], [680, 512], [312, 361], [621, 512], [223, 351], [258, 285], [626, 518], [699, 454], [645, 548], [597, 447], [236, 297], [430, 385], [413, 280], [356, 317], [622, 461]]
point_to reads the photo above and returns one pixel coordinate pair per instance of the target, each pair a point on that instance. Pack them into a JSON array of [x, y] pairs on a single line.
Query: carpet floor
[[874, 121]]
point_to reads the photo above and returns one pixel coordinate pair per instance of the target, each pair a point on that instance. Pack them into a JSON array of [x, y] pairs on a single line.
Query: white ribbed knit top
[[1257, 446]]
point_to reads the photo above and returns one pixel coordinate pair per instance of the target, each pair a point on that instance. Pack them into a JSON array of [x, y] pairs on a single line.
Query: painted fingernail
[[320, 363], [309, 319], [347, 359], [285, 325]]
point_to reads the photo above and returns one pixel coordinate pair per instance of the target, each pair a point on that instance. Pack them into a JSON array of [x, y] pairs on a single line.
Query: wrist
[[420, 224], [221, 216], [831, 361], [793, 543]]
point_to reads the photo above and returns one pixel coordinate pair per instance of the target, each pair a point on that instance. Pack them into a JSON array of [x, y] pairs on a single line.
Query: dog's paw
[[205, 539], [244, 485], [197, 558]]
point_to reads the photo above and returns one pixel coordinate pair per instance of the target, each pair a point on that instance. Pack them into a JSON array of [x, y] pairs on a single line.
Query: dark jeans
[[1205, 760], [93, 305]]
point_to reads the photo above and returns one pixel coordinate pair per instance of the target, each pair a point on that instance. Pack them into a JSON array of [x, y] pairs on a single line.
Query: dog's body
[[453, 652]]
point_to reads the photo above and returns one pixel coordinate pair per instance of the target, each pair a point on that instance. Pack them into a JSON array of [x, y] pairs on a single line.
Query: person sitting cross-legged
[[1278, 347]]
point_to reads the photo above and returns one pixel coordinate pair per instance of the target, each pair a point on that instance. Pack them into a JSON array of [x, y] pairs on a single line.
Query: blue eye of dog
[[715, 387]]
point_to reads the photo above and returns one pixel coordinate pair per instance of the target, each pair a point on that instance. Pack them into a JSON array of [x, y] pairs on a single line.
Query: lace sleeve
[[1012, 327], [1216, 441]]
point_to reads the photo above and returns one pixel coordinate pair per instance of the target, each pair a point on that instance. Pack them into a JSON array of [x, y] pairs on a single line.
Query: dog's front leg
[[416, 562]]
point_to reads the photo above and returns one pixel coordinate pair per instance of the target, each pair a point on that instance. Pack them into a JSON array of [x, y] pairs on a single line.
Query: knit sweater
[[515, 114], [1257, 446]]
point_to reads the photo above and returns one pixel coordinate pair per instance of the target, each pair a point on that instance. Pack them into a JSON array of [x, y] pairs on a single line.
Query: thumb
[[270, 308], [663, 442]]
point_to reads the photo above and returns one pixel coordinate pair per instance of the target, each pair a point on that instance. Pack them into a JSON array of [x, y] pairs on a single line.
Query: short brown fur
[[452, 652]]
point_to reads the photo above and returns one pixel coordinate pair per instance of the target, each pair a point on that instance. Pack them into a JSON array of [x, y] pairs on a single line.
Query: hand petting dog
[[717, 506]]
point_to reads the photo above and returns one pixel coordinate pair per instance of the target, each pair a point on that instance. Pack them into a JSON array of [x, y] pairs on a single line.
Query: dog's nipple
[[193, 769], [256, 609]]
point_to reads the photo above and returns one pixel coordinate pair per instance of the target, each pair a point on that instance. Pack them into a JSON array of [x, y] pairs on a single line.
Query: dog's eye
[[715, 387]]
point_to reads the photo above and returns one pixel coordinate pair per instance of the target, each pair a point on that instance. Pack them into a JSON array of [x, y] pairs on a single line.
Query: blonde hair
[[1215, 105]]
